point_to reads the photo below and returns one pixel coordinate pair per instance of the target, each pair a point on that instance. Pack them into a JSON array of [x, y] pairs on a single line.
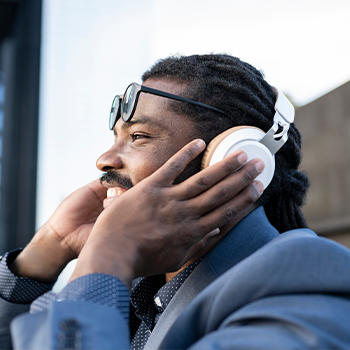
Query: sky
[[92, 49]]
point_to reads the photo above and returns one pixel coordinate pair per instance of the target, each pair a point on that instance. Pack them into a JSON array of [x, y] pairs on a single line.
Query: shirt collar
[[167, 292], [153, 289]]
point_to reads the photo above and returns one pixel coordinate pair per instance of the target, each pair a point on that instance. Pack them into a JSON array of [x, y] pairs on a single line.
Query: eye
[[136, 136]]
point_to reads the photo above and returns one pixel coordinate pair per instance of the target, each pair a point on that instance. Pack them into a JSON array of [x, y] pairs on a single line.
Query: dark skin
[[155, 227]]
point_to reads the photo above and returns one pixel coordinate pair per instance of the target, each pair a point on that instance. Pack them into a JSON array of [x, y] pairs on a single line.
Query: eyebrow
[[144, 120]]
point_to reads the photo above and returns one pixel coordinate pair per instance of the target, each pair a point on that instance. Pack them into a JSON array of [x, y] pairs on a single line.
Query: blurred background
[[62, 62]]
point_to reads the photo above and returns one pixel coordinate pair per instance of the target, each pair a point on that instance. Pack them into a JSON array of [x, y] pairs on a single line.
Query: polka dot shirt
[[95, 288], [149, 298], [15, 289], [146, 303]]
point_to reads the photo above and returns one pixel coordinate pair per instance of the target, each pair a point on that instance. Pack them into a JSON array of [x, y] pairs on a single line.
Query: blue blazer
[[255, 289]]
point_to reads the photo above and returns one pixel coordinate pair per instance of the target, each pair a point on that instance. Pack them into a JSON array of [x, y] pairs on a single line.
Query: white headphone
[[253, 141]]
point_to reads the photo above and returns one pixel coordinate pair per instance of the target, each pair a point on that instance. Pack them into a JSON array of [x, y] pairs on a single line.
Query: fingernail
[[259, 187], [213, 233], [259, 166], [242, 158], [201, 144]]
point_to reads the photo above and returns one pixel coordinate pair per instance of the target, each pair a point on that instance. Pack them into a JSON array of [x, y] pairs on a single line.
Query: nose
[[109, 161]]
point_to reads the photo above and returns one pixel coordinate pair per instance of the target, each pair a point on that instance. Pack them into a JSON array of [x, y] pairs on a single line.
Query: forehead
[[150, 101], [167, 85], [155, 110]]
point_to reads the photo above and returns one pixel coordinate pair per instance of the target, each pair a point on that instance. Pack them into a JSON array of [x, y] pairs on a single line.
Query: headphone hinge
[[269, 140]]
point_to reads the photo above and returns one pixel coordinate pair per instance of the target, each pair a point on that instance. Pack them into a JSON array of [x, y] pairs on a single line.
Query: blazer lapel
[[200, 278], [249, 235]]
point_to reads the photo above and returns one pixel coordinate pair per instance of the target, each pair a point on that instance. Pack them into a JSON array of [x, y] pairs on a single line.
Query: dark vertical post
[[20, 63]]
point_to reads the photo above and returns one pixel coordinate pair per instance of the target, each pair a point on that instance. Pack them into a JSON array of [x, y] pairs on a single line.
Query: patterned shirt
[[147, 300], [19, 290]]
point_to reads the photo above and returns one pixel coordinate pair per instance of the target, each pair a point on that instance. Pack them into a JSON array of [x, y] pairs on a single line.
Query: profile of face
[[145, 143]]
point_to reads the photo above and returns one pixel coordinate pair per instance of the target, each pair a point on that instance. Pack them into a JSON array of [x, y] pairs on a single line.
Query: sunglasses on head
[[125, 105]]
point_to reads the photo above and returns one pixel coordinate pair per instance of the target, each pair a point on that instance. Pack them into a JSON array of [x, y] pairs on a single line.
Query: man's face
[[144, 144]]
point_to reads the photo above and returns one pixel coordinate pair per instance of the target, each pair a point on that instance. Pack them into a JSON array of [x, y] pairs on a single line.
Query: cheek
[[146, 164]]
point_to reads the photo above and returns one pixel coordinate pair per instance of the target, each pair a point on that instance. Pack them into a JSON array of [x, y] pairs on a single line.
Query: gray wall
[[325, 126]]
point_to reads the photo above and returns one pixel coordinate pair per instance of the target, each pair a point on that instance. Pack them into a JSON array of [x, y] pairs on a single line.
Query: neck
[[211, 242]]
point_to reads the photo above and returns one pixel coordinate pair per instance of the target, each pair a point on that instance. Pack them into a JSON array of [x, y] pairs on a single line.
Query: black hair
[[240, 90]]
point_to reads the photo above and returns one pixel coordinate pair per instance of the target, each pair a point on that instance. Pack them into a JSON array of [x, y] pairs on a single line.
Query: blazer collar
[[253, 232]]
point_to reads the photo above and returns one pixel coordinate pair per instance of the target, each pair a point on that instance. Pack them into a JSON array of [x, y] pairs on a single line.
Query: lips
[[112, 194]]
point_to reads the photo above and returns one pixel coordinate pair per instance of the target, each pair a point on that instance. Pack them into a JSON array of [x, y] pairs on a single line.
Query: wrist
[[94, 259], [44, 258]]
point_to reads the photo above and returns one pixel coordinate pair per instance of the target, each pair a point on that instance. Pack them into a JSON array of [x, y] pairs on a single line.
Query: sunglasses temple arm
[[179, 98]]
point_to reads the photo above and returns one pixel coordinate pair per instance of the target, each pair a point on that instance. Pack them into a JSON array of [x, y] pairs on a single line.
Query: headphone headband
[[283, 106]]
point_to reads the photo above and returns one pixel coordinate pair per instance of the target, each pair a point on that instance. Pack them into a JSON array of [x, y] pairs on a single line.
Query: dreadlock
[[241, 91]]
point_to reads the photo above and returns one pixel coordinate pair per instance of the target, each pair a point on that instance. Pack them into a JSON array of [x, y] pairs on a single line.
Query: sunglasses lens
[[114, 115], [128, 102]]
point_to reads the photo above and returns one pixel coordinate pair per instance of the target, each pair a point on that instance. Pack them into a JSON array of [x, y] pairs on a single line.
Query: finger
[[167, 173], [232, 211], [99, 190], [208, 177], [201, 245], [212, 233], [225, 190]]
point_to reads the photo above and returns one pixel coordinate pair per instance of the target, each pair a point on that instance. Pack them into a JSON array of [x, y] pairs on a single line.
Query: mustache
[[112, 178]]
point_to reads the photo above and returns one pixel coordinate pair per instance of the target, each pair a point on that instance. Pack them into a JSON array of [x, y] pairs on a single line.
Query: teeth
[[115, 191], [111, 192]]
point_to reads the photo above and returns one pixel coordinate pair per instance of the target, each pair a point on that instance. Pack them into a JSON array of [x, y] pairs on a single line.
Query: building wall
[[325, 127]]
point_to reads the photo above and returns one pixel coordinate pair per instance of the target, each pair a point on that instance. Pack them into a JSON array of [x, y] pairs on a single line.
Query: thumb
[[199, 246]]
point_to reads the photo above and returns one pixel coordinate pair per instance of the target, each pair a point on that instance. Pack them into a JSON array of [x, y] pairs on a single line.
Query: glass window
[[2, 101]]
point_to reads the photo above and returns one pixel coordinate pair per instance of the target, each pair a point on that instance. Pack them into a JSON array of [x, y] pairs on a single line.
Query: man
[[219, 274]]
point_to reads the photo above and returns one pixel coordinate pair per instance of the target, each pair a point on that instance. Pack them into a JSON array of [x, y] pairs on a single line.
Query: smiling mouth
[[112, 194]]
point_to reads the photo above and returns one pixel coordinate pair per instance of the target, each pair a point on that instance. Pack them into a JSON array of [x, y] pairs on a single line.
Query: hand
[[62, 237], [160, 226]]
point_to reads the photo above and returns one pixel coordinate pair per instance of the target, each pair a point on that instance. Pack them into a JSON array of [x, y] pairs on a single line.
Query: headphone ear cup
[[214, 143], [245, 138]]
